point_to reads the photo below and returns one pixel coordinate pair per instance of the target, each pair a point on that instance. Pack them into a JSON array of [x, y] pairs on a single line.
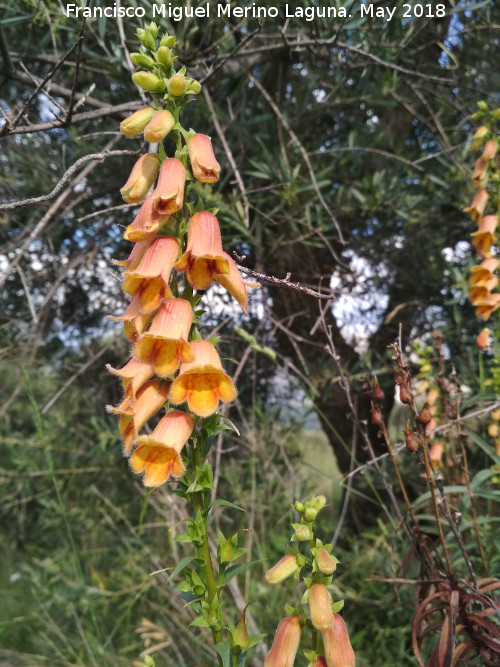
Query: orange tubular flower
[[480, 173], [168, 196], [234, 283], [165, 345], [436, 454], [156, 264], [141, 178], [478, 205], [147, 223], [158, 454], [483, 339], [283, 569], [135, 256], [202, 381], [286, 643], [338, 649], [485, 308], [203, 163], [135, 413], [479, 293], [320, 606], [134, 374], [480, 275], [159, 126], [204, 257], [135, 321], [483, 239], [490, 150]]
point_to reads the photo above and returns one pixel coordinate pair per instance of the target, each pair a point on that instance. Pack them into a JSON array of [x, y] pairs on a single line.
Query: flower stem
[[199, 504]]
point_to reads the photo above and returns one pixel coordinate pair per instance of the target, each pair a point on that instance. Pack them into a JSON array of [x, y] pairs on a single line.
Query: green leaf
[[485, 446], [236, 569], [226, 503], [180, 566], [224, 651]]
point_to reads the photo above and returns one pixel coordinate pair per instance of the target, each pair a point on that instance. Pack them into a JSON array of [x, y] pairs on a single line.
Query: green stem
[[204, 555]]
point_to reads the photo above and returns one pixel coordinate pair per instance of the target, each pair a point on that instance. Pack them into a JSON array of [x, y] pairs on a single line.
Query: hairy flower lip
[[204, 257], [202, 382], [165, 345], [158, 454], [147, 223], [134, 413]]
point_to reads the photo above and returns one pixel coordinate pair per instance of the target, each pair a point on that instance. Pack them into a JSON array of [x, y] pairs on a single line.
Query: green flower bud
[[167, 41], [194, 87], [310, 514], [299, 506], [135, 124], [177, 86], [142, 60], [302, 533], [495, 114], [146, 38], [149, 81], [482, 105], [164, 55]]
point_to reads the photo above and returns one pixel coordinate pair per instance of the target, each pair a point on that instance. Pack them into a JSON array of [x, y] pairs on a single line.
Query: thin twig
[[64, 178], [303, 152]]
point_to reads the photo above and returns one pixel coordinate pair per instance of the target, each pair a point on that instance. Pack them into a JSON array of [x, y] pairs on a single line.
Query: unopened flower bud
[[149, 81], [159, 126], [302, 533], [286, 643], [493, 429], [283, 569], [194, 87], [483, 340], [478, 139], [436, 454], [164, 55], [142, 60], [425, 415], [338, 649], [141, 178], [310, 514], [146, 37], [325, 563], [320, 606], [167, 41], [135, 124], [320, 502], [177, 86], [482, 106], [298, 506], [495, 414]]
